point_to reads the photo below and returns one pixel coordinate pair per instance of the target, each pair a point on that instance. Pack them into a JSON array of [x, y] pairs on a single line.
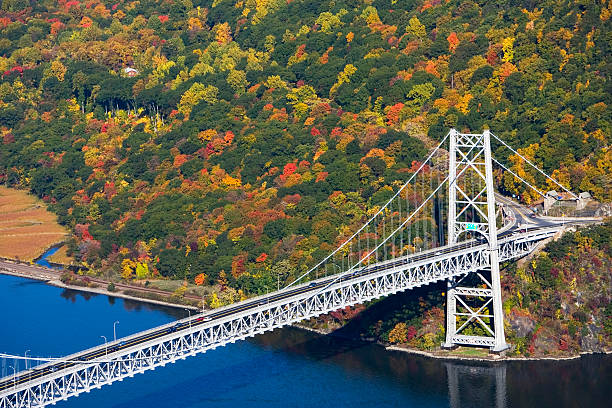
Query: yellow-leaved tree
[[213, 301], [343, 77], [415, 28], [127, 269], [399, 334], [301, 98], [508, 49], [198, 92], [142, 270], [223, 33]]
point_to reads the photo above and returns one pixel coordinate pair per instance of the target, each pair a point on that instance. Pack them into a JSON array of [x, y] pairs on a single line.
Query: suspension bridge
[[442, 224]]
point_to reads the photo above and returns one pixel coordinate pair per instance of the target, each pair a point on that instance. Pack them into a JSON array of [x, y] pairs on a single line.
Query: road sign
[[471, 227]]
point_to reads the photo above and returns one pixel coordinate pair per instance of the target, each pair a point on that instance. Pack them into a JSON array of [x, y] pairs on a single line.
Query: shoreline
[[100, 291], [494, 358], [53, 280]]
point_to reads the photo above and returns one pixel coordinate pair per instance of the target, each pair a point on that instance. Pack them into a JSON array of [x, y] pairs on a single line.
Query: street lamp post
[[189, 311], [115, 330], [267, 313], [105, 345], [26, 358], [339, 269], [14, 376]]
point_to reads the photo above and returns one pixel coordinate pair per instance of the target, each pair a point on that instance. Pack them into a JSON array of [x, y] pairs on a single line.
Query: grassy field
[[172, 285], [470, 352], [27, 228]]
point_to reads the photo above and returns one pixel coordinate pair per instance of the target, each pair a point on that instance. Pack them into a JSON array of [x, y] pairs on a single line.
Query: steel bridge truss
[[474, 313], [392, 277], [472, 301]]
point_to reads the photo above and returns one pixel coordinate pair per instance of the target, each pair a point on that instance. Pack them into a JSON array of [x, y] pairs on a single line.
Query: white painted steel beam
[[392, 277]]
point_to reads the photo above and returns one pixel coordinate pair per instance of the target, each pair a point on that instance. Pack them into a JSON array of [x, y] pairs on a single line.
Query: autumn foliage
[[196, 140]]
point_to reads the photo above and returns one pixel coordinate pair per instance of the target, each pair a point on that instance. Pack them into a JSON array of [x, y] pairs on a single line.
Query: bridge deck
[[103, 352]]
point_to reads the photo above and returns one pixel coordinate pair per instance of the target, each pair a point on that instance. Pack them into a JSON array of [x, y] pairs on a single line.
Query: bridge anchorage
[[440, 225]]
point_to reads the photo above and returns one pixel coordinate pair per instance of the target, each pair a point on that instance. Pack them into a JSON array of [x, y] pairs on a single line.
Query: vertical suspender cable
[[423, 223], [409, 224], [400, 222]]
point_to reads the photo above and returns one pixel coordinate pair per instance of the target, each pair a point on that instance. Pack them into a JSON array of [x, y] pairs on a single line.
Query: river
[[285, 368], [43, 259]]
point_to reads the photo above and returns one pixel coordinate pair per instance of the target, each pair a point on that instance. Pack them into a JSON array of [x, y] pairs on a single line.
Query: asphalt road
[[523, 215]]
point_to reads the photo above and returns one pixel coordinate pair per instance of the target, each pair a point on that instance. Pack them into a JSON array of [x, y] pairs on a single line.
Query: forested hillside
[[237, 142]]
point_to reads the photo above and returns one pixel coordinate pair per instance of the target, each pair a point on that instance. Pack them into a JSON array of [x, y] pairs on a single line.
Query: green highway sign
[[471, 227]]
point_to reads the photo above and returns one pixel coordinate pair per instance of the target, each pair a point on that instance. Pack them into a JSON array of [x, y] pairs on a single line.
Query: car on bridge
[[174, 328], [117, 346]]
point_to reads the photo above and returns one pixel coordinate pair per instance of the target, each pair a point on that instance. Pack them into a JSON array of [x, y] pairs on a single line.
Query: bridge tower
[[474, 313]]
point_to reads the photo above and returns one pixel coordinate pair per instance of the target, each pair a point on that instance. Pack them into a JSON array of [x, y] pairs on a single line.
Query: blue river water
[[42, 260], [284, 368]]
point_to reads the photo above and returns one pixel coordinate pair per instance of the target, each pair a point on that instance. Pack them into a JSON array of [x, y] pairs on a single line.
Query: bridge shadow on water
[[297, 354], [285, 358]]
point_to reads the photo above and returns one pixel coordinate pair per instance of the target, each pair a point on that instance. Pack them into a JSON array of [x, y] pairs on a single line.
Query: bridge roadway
[[100, 352]]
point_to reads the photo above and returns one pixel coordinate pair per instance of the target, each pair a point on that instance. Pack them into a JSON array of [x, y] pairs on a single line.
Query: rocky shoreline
[[447, 355], [492, 358]]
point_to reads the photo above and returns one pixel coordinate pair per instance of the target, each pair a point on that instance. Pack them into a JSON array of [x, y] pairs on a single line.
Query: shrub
[[399, 334]]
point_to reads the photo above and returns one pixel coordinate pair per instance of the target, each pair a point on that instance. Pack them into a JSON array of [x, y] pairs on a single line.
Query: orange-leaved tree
[[199, 279]]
